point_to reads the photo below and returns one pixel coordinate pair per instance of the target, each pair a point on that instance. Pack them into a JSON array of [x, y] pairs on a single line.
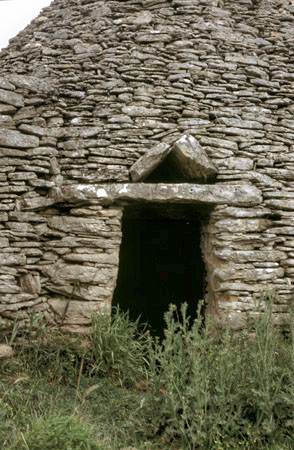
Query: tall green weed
[[197, 389], [210, 393], [117, 347], [56, 432]]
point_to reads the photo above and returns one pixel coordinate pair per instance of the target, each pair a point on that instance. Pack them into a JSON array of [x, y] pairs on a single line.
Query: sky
[[15, 15]]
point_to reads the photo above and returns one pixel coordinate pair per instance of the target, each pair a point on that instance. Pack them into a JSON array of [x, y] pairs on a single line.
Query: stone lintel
[[197, 194]]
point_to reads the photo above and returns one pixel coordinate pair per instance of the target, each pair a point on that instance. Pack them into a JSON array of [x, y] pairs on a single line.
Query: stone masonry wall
[[90, 86]]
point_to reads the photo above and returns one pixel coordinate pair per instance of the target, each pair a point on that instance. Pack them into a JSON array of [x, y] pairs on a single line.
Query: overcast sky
[[15, 15]]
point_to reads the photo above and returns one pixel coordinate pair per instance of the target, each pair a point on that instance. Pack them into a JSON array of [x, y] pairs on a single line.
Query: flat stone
[[245, 212], [101, 11], [140, 19], [140, 111], [219, 143], [256, 72], [282, 230], [285, 205], [31, 83], [7, 109], [11, 98], [251, 275], [77, 312], [4, 84], [242, 59], [238, 163], [239, 195], [8, 288], [36, 203], [6, 121], [247, 124], [101, 258], [152, 36], [88, 293], [33, 129], [191, 160], [237, 286], [12, 260], [41, 183], [148, 162], [61, 273], [19, 298], [241, 132], [42, 151], [20, 227], [243, 225], [79, 225], [243, 256], [264, 180], [25, 113], [263, 274], [22, 176], [15, 139]]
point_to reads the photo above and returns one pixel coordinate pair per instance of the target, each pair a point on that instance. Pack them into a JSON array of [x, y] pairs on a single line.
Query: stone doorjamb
[[196, 195]]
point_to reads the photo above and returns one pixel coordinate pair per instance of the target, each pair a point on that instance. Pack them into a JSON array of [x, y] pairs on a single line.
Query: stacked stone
[[90, 86], [81, 263], [26, 156], [36, 241]]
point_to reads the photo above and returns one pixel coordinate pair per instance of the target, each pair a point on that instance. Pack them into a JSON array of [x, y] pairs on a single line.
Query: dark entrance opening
[[160, 263]]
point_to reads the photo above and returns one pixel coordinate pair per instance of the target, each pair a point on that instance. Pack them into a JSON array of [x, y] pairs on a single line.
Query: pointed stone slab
[[191, 160], [148, 162]]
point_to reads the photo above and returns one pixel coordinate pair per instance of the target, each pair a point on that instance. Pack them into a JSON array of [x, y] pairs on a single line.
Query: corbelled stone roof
[[130, 74]]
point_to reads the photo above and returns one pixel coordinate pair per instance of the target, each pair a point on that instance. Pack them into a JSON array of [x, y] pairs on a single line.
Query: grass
[[119, 387]]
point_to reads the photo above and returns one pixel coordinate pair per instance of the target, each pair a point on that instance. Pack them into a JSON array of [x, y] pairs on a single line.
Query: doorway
[[160, 263]]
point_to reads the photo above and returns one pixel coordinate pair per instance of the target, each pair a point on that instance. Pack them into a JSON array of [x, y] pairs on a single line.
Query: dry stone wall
[[89, 87]]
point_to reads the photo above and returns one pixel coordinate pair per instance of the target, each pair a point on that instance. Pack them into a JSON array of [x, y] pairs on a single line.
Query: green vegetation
[[197, 389]]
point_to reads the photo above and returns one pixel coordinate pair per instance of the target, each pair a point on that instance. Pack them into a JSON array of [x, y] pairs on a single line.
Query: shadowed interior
[[160, 263]]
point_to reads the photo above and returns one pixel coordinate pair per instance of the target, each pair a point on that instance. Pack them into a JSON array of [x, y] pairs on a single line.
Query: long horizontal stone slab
[[201, 194], [15, 139]]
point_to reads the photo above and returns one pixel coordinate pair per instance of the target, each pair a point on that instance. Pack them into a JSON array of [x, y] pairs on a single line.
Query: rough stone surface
[[89, 88], [15, 139], [191, 160], [245, 195], [148, 162], [11, 98], [6, 351]]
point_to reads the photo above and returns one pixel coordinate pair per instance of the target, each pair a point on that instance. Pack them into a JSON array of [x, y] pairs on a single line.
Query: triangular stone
[[149, 162], [186, 155], [191, 160]]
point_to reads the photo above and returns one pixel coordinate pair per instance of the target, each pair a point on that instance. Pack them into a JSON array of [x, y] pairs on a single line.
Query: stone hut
[[147, 156]]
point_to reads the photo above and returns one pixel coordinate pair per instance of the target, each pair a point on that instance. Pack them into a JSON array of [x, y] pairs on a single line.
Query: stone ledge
[[218, 194]]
